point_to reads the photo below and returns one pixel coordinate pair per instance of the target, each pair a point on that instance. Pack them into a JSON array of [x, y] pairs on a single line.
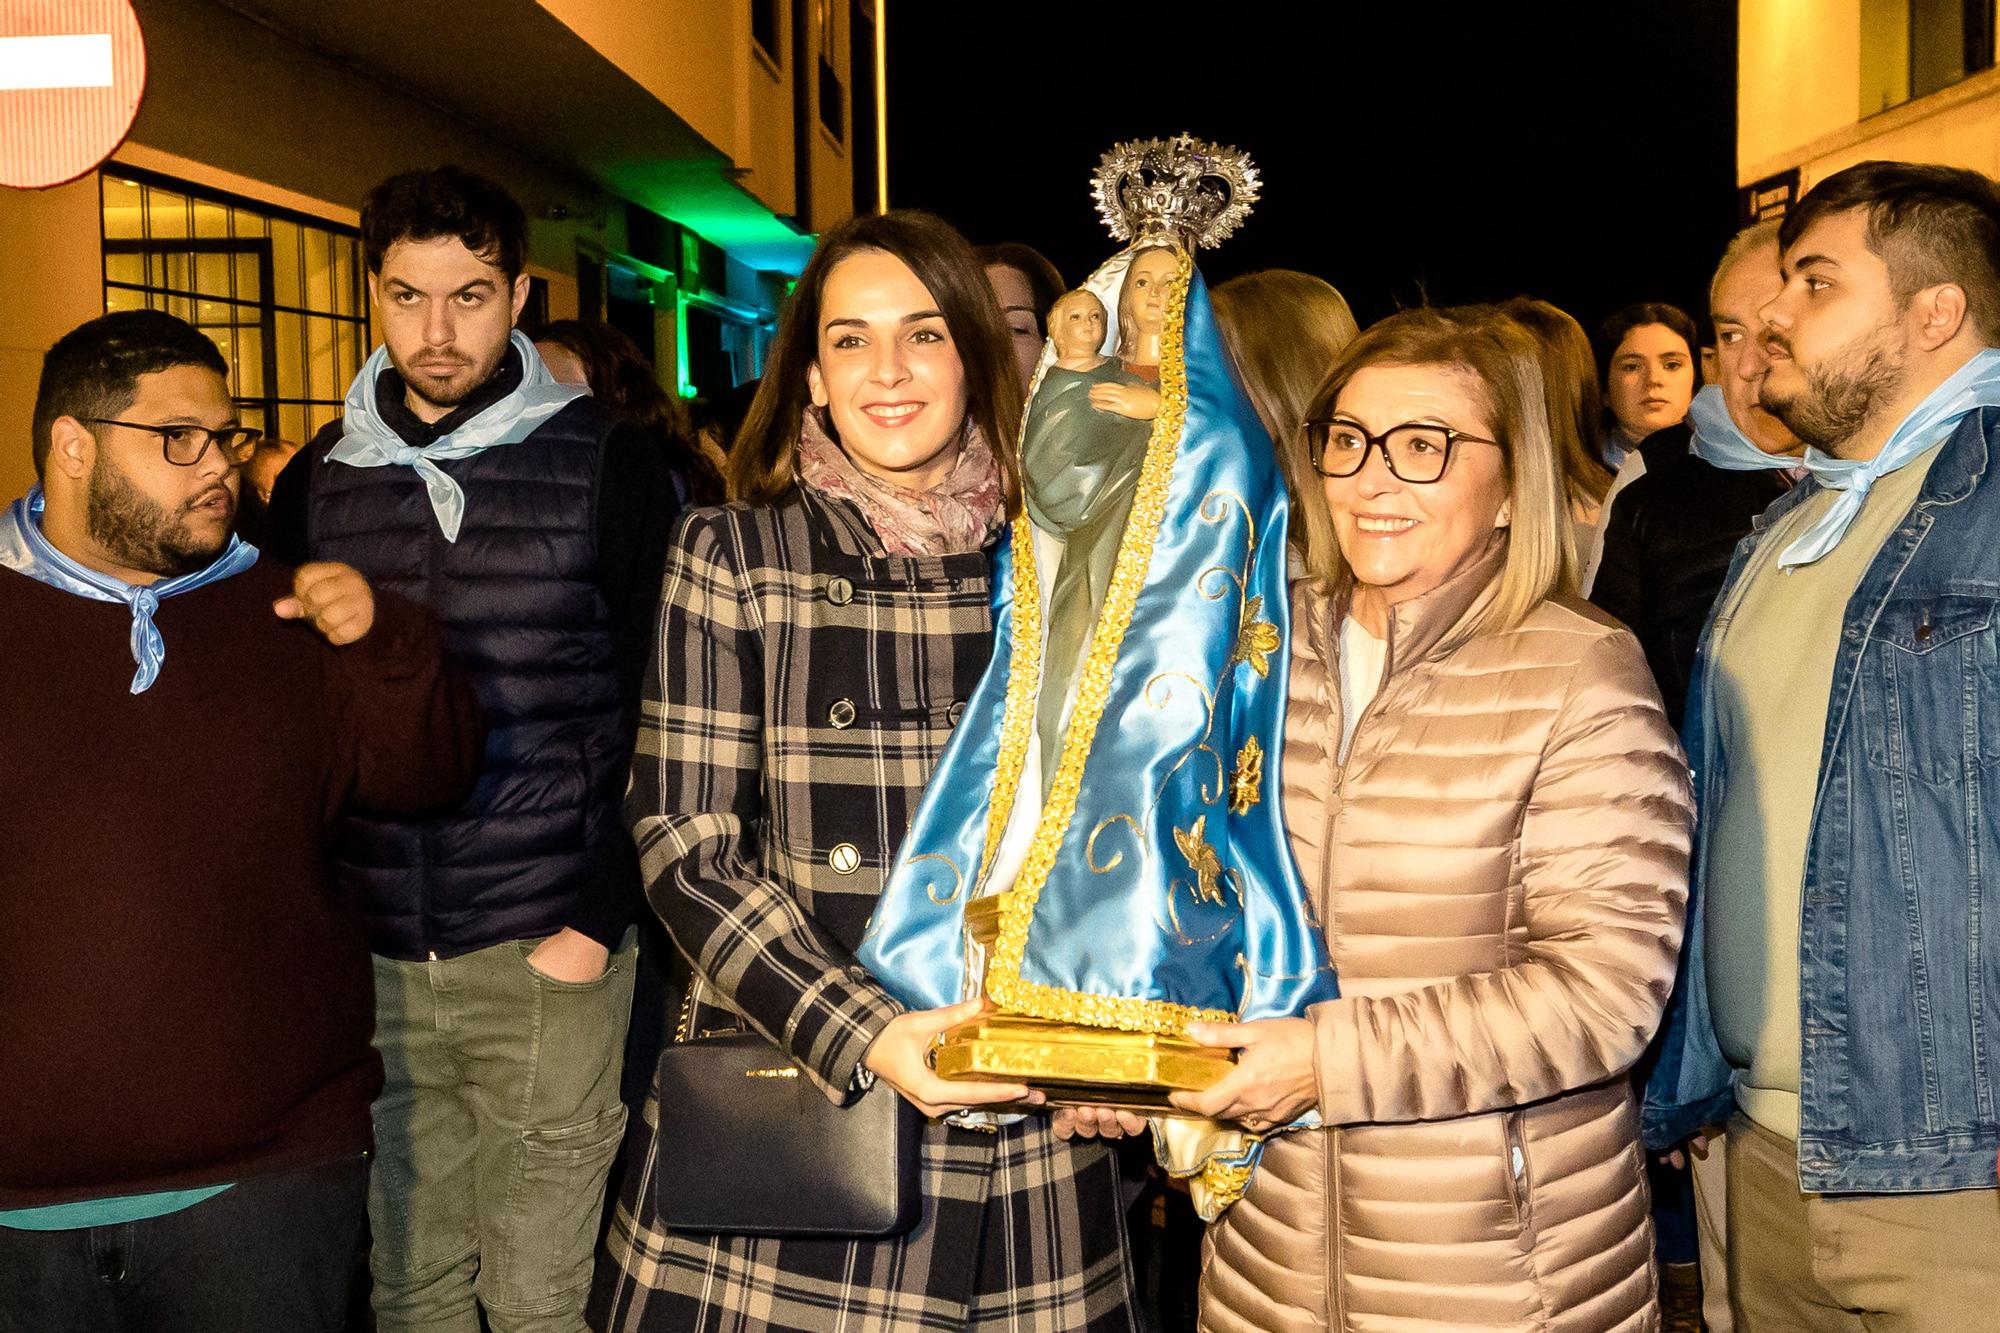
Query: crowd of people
[[381, 806]]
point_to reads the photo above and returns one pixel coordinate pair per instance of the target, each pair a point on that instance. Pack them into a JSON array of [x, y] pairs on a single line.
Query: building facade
[[675, 158], [1823, 84]]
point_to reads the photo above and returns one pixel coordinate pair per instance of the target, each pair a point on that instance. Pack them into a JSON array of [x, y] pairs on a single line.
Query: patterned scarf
[[959, 514]]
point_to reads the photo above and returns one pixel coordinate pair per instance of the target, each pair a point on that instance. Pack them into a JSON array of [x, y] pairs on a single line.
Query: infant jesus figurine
[[1085, 439], [1085, 393], [1076, 326]]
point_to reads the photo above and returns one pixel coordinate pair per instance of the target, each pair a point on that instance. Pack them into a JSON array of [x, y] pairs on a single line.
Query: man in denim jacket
[[1840, 996]]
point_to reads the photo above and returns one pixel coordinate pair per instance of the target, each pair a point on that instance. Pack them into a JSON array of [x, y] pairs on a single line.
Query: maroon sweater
[[186, 996]]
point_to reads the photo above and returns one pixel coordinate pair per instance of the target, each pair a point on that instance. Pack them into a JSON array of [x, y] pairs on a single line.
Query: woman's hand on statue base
[[1095, 1122], [1273, 1082], [900, 1056]]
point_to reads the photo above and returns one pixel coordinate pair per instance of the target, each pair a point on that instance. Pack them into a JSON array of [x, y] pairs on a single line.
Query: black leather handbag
[[749, 1146]]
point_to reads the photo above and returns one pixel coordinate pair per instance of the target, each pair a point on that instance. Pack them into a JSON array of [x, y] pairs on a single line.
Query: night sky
[[1411, 151]]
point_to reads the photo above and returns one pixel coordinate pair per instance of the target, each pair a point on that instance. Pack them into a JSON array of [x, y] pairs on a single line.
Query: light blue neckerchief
[[367, 441], [25, 550], [1719, 443], [1974, 385]]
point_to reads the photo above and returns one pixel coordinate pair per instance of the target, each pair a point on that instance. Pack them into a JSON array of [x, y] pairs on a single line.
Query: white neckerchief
[[367, 441], [1974, 385], [25, 550], [1719, 442]]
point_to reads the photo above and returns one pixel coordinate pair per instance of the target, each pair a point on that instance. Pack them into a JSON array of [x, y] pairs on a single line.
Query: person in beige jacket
[[1493, 815]]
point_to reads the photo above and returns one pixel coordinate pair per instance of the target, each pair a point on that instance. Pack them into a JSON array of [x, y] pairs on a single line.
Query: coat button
[[841, 714], [956, 712], [845, 858], [839, 591]]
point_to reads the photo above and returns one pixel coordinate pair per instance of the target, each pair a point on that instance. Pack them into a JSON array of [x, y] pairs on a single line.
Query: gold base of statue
[[1080, 1066], [1074, 1065]]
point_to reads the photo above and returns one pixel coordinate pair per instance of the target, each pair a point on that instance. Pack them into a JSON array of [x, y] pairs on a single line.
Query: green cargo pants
[[496, 1126]]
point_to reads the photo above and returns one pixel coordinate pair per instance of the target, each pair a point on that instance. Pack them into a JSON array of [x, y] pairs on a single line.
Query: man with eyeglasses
[[186, 1005]]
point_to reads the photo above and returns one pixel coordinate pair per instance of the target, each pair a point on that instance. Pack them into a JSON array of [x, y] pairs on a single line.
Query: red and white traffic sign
[[71, 76]]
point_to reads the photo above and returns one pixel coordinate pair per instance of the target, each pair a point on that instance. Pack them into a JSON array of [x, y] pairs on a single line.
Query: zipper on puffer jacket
[[1337, 761], [1518, 1185], [1336, 1312]]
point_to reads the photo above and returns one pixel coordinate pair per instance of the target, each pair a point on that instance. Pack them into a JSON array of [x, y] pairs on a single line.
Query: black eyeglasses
[[184, 446], [1414, 452]]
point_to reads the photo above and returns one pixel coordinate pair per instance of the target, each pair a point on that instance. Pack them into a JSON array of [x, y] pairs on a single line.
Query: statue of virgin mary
[[1101, 848]]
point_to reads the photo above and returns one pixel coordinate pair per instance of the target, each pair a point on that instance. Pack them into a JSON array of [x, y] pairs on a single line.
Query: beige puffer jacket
[[1501, 869]]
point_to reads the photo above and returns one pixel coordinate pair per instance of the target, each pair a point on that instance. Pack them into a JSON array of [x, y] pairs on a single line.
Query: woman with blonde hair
[[1482, 787], [1569, 377], [1283, 330]]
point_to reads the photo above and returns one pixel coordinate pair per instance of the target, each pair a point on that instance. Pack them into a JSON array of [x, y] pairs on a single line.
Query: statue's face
[[1077, 325], [1142, 304]]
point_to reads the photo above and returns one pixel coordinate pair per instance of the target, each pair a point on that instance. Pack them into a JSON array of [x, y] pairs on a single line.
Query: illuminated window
[[1912, 48], [281, 294], [722, 345]]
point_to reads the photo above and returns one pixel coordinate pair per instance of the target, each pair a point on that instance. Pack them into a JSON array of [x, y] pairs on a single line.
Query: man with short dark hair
[[535, 526], [1841, 956], [185, 1009]]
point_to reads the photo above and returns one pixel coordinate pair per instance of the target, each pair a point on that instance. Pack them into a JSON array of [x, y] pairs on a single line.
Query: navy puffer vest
[[520, 606]]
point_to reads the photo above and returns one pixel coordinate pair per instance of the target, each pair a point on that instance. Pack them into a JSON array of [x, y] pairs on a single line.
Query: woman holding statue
[[1483, 792], [817, 641]]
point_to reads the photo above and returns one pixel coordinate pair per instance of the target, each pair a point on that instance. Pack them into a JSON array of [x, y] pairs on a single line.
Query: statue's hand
[[1140, 402]]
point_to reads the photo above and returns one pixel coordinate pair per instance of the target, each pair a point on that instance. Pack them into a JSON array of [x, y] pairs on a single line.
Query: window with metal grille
[[282, 294]]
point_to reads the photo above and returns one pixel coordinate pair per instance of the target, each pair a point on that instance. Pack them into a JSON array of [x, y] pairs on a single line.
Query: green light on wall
[[691, 274], [681, 344]]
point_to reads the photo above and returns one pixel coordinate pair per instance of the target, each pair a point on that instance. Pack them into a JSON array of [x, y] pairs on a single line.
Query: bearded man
[[186, 1006], [1838, 995]]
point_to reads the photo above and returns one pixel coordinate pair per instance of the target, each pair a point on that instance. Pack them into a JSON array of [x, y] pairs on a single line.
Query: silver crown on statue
[[1181, 191]]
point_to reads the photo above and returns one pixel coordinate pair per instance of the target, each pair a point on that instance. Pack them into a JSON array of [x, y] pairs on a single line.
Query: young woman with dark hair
[[817, 641], [1646, 354]]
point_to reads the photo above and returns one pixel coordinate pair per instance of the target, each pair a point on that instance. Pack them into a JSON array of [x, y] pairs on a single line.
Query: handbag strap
[[688, 1024]]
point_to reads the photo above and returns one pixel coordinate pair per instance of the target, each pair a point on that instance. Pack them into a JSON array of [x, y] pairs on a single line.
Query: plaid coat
[[802, 690]]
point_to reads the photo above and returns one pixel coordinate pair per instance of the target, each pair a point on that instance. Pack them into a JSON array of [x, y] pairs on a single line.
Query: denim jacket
[[1899, 940]]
